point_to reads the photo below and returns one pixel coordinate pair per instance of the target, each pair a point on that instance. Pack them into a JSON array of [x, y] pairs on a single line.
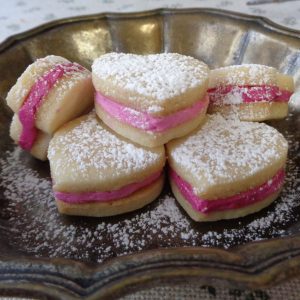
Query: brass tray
[[43, 254]]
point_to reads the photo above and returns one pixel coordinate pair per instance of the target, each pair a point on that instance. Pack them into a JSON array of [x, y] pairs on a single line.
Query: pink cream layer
[[123, 192], [242, 199], [34, 99], [145, 121], [264, 93]]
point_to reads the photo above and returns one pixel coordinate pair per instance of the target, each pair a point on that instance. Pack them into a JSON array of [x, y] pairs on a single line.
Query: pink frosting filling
[[236, 201], [250, 94], [34, 99], [106, 196], [145, 121]]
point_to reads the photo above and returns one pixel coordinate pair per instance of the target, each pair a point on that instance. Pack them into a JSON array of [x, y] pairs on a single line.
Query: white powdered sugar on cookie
[[99, 149], [72, 77], [224, 150], [29, 214], [234, 97], [259, 92], [247, 74], [237, 94], [32, 73], [159, 76]]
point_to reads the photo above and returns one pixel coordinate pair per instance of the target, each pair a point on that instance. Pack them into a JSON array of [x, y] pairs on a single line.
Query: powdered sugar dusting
[[73, 74], [233, 95], [158, 76], [71, 77], [247, 74], [89, 148], [30, 221], [224, 150], [47, 231], [19, 91], [277, 219]]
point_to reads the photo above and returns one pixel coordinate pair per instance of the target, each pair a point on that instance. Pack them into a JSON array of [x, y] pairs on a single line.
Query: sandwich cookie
[[49, 93], [97, 173], [227, 168], [253, 92], [150, 99]]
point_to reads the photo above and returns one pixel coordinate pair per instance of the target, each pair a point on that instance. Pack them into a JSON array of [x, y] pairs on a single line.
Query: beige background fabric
[[289, 290]]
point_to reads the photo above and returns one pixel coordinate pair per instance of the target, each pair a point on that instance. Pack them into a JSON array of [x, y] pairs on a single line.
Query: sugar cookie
[[150, 99], [253, 92], [227, 168], [49, 93], [97, 173]]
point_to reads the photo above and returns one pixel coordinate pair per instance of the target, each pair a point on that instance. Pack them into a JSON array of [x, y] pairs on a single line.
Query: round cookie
[[227, 168], [150, 99], [253, 92], [97, 173], [49, 93]]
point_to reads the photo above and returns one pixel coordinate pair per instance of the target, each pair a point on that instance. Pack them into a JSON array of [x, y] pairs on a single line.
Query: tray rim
[[264, 21], [54, 277]]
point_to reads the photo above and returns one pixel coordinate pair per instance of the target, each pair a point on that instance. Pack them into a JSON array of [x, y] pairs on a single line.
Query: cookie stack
[[112, 159], [49, 93]]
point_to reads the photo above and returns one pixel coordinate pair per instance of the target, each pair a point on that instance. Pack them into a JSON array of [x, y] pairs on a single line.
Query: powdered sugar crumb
[[235, 97], [237, 94]]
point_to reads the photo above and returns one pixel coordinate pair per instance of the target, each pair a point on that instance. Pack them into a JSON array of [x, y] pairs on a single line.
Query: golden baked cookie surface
[[227, 156], [249, 74], [85, 155], [157, 84], [20, 90]]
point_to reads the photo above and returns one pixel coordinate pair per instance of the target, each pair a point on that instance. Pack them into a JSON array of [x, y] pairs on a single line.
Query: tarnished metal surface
[[219, 38]]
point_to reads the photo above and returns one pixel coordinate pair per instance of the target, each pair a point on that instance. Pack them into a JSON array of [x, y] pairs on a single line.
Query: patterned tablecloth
[[20, 15]]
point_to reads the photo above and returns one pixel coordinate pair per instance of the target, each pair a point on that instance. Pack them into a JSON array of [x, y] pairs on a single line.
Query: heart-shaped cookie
[[49, 93], [253, 92], [97, 173], [227, 168], [150, 99]]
